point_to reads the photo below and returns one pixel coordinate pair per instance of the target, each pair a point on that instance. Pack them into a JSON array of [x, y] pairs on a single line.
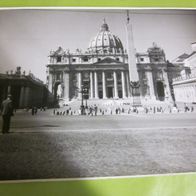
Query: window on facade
[[109, 75], [144, 76], [73, 60], [100, 77], [58, 59], [142, 59], [85, 59], [86, 75], [160, 75], [118, 76], [58, 76]]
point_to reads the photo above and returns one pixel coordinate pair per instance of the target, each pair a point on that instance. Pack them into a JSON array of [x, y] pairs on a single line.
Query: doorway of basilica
[[58, 91], [160, 91], [110, 92]]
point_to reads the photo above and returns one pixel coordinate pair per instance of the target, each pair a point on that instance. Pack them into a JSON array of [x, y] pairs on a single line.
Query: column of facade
[[50, 85], [4, 93], [166, 85], [96, 85], [189, 94], [186, 94], [115, 85], [183, 94], [128, 85], [27, 101], [104, 85], [79, 76], [180, 94], [66, 85], [123, 84], [91, 85], [194, 91], [150, 84], [22, 97], [9, 89]]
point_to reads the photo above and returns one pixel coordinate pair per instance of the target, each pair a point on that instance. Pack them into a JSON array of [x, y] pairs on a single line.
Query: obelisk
[[133, 73]]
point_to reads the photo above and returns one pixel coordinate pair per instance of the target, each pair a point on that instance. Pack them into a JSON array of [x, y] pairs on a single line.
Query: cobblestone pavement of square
[[48, 146]]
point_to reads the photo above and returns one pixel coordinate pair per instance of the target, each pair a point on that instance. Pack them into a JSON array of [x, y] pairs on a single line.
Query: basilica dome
[[105, 42]]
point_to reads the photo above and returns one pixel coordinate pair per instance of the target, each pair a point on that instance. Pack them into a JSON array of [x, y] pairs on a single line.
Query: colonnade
[[94, 86], [98, 82], [24, 96], [24, 93]]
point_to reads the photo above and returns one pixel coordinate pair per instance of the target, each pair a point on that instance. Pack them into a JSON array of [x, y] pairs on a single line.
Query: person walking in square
[[95, 110], [7, 112]]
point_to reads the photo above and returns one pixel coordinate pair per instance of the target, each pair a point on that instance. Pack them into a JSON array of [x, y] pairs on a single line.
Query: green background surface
[[173, 185], [112, 3]]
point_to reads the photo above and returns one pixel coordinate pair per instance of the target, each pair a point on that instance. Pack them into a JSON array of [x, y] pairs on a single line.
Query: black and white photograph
[[97, 92]]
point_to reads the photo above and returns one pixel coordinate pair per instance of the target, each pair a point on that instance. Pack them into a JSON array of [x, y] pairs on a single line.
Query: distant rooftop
[[181, 58], [191, 54]]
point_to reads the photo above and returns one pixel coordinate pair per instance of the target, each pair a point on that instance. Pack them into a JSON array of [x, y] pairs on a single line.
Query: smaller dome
[[105, 42]]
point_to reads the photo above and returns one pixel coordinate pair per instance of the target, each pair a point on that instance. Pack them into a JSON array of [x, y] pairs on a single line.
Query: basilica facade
[[104, 70]]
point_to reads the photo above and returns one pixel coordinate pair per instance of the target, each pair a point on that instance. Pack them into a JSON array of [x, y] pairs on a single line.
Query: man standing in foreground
[[7, 112]]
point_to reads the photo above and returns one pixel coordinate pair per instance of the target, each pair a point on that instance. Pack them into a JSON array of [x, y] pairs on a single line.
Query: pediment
[[108, 60]]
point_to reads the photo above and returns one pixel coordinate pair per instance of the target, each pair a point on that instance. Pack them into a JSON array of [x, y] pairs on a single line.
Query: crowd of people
[[34, 110], [94, 110], [7, 111]]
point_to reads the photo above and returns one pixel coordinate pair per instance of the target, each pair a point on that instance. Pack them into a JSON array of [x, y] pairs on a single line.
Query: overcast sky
[[27, 36]]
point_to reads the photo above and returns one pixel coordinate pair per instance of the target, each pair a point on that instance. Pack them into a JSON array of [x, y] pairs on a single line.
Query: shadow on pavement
[[28, 156]]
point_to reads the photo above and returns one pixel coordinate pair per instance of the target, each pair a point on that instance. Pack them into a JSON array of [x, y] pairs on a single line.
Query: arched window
[[59, 58]]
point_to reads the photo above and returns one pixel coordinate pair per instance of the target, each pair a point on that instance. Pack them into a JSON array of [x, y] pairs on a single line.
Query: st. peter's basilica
[[106, 70]]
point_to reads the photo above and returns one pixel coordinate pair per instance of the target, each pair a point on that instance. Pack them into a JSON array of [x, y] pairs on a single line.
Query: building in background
[[173, 71], [185, 85], [26, 89], [103, 68]]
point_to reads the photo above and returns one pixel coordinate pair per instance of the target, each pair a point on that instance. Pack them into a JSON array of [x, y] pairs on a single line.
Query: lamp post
[[85, 94], [135, 91], [82, 102]]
